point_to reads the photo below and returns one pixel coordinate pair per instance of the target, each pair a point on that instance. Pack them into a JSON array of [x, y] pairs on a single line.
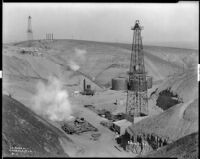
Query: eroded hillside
[[71, 61], [22, 128]]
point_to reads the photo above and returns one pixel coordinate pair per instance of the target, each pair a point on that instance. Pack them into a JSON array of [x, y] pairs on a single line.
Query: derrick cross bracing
[[137, 103]]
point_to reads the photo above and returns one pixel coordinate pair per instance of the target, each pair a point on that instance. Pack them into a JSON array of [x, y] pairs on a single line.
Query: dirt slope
[[185, 147], [100, 56], [184, 84], [174, 123], [103, 61], [23, 128]]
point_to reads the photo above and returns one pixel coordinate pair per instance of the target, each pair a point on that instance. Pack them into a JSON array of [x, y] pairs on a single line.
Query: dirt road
[[104, 146]]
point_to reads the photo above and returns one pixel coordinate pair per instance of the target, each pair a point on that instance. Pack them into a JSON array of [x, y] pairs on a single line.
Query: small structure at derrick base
[[120, 126], [137, 100], [29, 32]]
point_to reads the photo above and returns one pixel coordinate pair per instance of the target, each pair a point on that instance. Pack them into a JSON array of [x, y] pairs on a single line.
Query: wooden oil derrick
[[137, 103], [29, 32]]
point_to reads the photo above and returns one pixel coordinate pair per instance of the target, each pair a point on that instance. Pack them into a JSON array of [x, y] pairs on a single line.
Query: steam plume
[[52, 101], [73, 65], [79, 57]]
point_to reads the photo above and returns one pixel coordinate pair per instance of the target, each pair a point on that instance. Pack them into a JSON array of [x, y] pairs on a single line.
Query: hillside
[[98, 61], [22, 128], [174, 123], [71, 61], [185, 147], [101, 61], [100, 57]]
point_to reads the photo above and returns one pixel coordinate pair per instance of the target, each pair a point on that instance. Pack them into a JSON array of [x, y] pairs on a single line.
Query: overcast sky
[[173, 25]]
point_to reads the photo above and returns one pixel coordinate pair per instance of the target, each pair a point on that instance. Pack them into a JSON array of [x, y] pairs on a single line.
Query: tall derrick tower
[[29, 31], [137, 102]]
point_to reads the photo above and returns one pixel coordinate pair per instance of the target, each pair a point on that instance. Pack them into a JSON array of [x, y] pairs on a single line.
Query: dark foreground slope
[[184, 148], [24, 129]]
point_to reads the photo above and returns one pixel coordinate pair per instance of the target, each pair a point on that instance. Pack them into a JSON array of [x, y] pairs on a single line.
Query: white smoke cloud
[[78, 58], [73, 65], [52, 101]]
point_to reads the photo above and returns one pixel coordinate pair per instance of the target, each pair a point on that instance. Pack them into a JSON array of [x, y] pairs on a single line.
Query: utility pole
[[49, 36], [137, 101]]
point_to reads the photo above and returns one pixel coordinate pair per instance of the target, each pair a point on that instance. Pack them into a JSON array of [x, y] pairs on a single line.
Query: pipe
[[84, 85]]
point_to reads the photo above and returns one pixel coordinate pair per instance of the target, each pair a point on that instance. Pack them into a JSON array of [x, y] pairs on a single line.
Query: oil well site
[[100, 80]]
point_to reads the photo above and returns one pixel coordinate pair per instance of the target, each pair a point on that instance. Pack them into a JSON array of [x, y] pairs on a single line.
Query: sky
[[175, 25]]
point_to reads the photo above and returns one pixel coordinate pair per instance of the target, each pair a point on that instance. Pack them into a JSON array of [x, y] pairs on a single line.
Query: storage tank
[[149, 82], [119, 83]]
